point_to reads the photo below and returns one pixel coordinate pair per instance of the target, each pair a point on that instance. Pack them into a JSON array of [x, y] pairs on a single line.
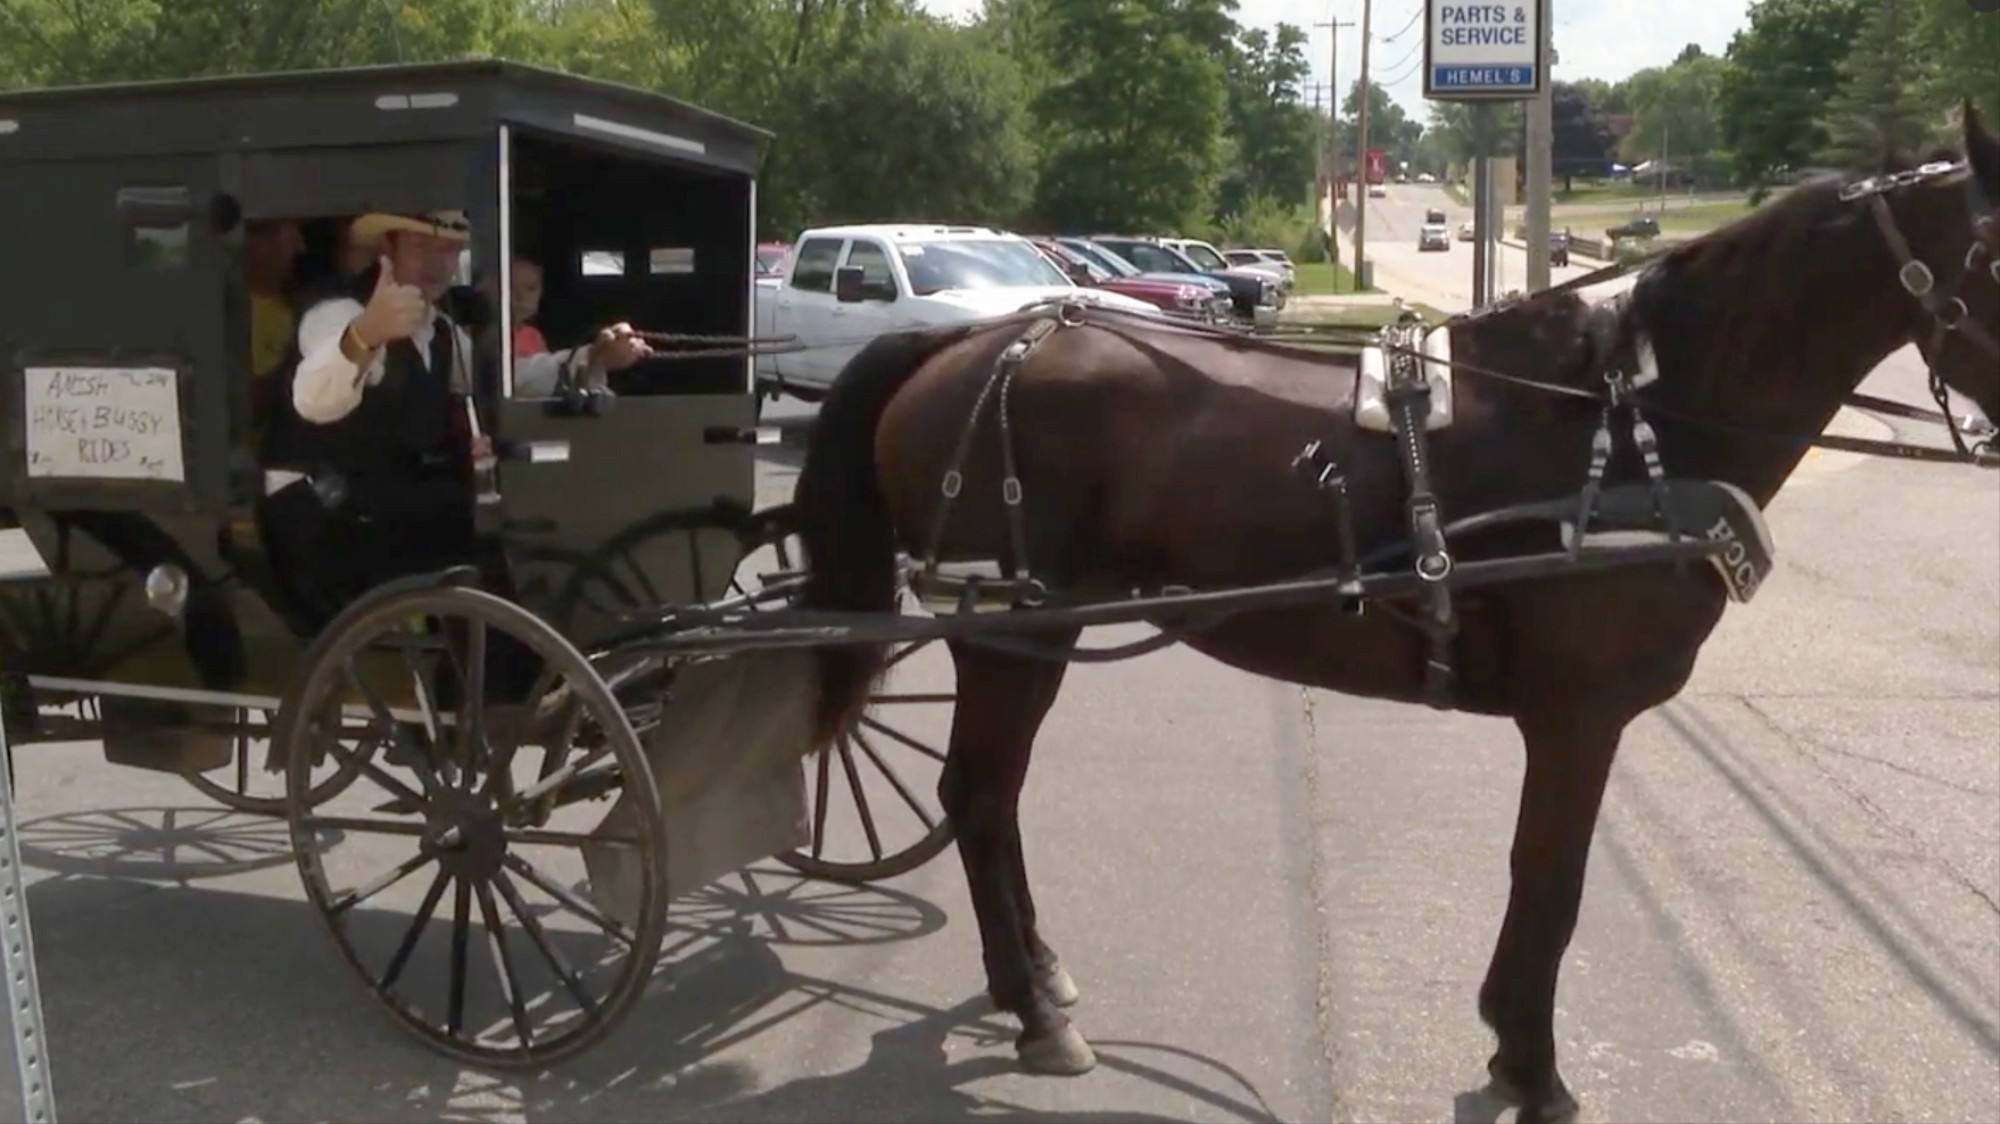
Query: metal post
[[1482, 195], [24, 993], [1361, 157], [1540, 155]]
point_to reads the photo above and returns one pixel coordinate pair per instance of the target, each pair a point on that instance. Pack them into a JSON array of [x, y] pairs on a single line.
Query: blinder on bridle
[[1948, 311]]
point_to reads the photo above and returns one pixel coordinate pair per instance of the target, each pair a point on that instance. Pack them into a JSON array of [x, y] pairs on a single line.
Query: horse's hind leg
[[1002, 700], [1569, 760]]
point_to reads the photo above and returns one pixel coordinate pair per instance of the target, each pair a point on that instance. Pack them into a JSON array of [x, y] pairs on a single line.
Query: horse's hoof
[[1061, 1053], [1056, 984], [1562, 1108]]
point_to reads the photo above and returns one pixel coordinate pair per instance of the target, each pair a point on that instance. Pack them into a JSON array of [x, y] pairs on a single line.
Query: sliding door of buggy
[[612, 502]]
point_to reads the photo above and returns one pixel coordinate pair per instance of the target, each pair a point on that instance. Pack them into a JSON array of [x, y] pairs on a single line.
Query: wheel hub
[[465, 832]]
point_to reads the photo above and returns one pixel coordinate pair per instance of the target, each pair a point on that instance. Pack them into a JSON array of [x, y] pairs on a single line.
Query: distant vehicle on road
[[1559, 248], [1434, 236], [1639, 226], [1465, 231]]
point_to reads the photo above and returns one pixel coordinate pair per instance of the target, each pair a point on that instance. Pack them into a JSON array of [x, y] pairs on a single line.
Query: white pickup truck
[[845, 285]]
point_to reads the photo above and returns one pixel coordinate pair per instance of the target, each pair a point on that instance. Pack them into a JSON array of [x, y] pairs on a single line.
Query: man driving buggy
[[368, 458]]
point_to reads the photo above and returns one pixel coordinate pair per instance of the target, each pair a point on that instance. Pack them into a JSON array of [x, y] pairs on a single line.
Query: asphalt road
[[1439, 278], [1278, 903]]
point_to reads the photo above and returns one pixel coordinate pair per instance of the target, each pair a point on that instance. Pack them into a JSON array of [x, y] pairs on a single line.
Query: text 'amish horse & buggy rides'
[[1536, 511]]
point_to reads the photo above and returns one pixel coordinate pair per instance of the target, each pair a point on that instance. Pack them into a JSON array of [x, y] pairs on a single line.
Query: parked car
[[1176, 298], [1109, 259], [1274, 260], [1206, 256], [1280, 257], [1255, 295], [847, 284], [771, 259], [1466, 231]]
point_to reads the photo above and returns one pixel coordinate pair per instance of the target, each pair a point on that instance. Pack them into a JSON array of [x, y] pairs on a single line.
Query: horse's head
[[1947, 242]]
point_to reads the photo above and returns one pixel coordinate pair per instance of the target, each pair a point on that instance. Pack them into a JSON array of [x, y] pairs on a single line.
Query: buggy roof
[[367, 105]]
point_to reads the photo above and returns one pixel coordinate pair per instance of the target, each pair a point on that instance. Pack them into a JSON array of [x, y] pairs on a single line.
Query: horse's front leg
[[1569, 759], [1002, 699]]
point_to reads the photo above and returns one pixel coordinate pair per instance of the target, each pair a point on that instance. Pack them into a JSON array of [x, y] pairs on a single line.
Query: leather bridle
[[1950, 317]]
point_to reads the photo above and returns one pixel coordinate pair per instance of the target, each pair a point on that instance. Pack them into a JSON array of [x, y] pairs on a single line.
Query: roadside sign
[[1477, 50], [1378, 165]]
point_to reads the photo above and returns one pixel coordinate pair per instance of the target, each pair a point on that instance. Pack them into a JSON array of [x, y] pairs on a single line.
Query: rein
[[1948, 311]]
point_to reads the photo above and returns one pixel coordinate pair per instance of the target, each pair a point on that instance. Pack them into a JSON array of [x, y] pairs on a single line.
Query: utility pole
[[1333, 27], [1540, 155], [1361, 273]]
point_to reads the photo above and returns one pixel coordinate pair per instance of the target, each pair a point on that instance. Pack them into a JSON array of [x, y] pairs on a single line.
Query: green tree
[[1133, 135], [1389, 127], [920, 122], [1273, 132], [1781, 71], [1675, 116], [1456, 138], [1961, 48], [1878, 109], [1580, 140]]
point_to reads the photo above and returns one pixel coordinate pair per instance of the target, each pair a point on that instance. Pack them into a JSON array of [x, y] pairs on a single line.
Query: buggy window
[[672, 259], [156, 226], [813, 272]]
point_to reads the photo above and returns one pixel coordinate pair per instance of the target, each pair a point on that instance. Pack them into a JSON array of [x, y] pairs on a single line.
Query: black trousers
[[326, 557]]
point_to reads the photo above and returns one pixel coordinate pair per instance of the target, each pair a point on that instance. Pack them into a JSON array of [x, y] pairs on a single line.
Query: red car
[[771, 257], [1191, 301]]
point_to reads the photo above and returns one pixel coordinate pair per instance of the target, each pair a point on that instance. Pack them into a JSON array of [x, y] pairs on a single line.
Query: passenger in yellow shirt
[[271, 246]]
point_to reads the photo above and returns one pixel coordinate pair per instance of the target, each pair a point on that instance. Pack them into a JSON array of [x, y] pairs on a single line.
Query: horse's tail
[[848, 537]]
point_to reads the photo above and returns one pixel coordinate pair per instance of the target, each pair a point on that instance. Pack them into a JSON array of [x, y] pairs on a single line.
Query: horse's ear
[[1982, 150]]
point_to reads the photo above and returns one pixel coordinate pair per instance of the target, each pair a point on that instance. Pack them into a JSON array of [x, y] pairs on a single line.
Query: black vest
[[407, 429]]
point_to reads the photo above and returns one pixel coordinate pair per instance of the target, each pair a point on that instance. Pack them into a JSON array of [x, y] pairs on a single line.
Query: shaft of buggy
[[705, 631]]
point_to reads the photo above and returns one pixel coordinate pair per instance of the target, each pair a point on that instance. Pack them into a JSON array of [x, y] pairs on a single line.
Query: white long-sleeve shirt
[[328, 385]]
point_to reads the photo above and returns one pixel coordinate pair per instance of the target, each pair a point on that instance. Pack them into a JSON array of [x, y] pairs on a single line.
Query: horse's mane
[[1734, 288]]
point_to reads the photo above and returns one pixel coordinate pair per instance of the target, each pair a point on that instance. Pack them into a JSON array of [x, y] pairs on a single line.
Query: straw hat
[[450, 225]]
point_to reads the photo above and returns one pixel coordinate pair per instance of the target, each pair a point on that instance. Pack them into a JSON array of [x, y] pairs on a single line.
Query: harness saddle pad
[[1371, 410]]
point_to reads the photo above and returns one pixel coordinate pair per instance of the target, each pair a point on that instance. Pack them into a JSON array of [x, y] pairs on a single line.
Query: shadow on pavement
[[173, 1000]]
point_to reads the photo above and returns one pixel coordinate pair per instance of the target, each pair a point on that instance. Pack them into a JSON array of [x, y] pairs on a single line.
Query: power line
[[1415, 65], [1414, 17], [1407, 56]]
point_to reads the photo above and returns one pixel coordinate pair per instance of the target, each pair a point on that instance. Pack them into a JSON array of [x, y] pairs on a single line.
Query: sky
[[1606, 39]]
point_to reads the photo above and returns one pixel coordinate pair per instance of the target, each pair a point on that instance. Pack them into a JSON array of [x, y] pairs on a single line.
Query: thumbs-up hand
[[395, 311]]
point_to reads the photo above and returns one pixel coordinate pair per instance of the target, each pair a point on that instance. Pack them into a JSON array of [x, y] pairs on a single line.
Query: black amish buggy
[[143, 608]]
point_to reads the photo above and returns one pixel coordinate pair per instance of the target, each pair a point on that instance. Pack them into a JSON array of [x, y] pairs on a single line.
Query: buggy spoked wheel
[[478, 889], [244, 785], [873, 794], [674, 558]]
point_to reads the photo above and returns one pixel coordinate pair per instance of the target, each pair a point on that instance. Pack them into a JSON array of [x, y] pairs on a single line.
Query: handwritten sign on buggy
[[103, 423], [1483, 50]]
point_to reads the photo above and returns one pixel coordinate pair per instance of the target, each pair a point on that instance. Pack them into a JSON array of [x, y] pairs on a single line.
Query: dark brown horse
[[1152, 457]]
